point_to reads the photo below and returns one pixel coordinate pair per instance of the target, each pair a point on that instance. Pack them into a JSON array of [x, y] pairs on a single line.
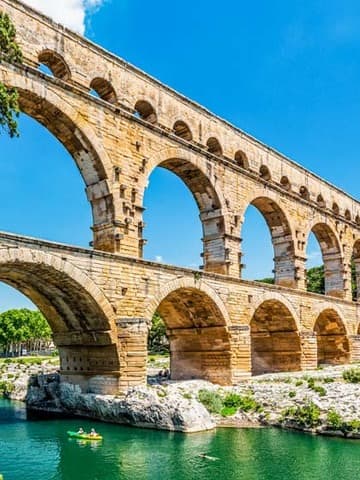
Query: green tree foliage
[[20, 329], [316, 280], [157, 340], [9, 52]]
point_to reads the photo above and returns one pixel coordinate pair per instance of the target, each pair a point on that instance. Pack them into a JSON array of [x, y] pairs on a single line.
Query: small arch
[[145, 111], [304, 193], [214, 147], [265, 173], [182, 130], [285, 183], [357, 219], [55, 63], [275, 341], [241, 159], [104, 89], [335, 208], [347, 215], [332, 341], [320, 201]]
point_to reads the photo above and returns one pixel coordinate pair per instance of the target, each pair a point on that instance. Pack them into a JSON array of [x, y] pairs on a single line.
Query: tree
[[157, 340], [9, 52], [21, 329]]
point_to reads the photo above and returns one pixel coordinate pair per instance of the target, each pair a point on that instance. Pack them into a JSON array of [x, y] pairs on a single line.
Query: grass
[[31, 360]]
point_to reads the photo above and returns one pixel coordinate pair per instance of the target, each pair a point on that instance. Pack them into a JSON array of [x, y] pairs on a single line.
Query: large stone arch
[[332, 256], [66, 123], [203, 185], [197, 327], [332, 337], [275, 339], [282, 237], [80, 316]]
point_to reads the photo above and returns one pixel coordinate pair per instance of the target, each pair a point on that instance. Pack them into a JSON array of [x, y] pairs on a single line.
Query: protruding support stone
[[309, 359], [240, 342], [354, 341], [132, 335]]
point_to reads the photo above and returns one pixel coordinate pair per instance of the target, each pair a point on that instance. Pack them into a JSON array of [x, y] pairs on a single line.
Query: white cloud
[[159, 259], [71, 13]]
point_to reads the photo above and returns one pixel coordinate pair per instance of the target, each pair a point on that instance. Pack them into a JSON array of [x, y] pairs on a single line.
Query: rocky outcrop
[[148, 407]]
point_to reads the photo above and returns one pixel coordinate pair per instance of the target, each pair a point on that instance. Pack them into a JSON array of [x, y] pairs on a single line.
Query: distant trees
[[23, 329], [9, 52], [316, 280]]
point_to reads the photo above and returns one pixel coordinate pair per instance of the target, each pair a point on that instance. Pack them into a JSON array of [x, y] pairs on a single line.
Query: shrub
[[292, 394], [316, 388], [328, 380], [352, 375], [299, 383], [212, 401], [307, 416], [6, 388], [334, 420], [353, 425]]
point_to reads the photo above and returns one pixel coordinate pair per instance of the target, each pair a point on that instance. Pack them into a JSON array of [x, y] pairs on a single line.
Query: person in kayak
[[93, 433], [80, 431]]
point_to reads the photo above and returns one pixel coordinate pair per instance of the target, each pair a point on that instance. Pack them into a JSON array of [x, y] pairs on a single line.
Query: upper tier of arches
[[185, 128]]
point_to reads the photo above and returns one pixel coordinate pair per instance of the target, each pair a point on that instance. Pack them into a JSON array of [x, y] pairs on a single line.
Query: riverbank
[[318, 402]]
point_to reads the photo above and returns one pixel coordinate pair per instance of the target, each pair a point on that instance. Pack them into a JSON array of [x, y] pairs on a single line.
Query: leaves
[[10, 52]]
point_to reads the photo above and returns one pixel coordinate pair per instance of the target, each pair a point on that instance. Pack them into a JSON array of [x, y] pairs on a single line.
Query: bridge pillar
[[354, 341], [334, 275], [309, 360], [132, 335], [240, 342]]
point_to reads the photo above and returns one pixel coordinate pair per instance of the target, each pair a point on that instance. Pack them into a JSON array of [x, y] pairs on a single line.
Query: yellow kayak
[[84, 436]]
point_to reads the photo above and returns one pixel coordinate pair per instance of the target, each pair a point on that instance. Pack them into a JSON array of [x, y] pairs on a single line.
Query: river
[[41, 450]]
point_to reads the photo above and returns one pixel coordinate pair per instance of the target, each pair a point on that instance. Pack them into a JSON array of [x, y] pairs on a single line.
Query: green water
[[40, 450]]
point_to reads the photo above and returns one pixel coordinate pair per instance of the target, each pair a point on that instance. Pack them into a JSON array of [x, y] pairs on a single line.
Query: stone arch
[[347, 215], [304, 193], [104, 89], [285, 183], [214, 147], [335, 208], [56, 63], [320, 201], [145, 111], [275, 339], [241, 159], [80, 140], [332, 339], [196, 321], [332, 258], [282, 239], [264, 173], [212, 207], [182, 130], [79, 314]]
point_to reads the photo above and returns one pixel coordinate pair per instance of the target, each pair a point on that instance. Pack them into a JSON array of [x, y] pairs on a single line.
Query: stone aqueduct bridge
[[99, 302]]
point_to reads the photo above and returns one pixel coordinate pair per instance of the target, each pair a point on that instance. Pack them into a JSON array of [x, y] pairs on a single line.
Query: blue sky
[[286, 72]]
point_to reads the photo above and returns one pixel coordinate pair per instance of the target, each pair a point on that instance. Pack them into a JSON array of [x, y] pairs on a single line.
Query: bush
[[316, 388], [352, 375], [6, 388], [353, 425], [212, 401], [334, 420], [299, 383], [307, 416], [292, 394]]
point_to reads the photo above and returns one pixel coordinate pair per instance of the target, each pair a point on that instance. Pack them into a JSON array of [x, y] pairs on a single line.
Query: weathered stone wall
[[219, 327]]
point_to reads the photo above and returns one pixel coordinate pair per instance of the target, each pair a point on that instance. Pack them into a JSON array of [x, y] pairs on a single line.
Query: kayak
[[84, 436]]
